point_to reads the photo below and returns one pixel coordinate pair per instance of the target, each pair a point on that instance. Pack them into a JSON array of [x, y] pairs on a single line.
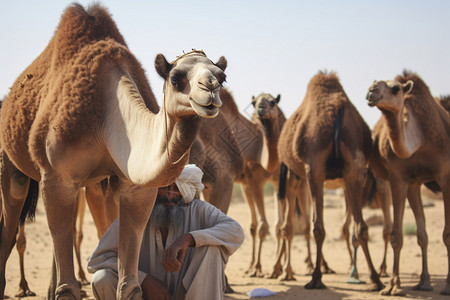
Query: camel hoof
[[423, 286], [328, 270], [315, 284], [25, 293], [375, 287], [288, 277]]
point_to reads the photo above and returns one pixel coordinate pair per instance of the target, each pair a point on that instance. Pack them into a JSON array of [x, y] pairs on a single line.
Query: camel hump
[[326, 81], [229, 106], [84, 26]]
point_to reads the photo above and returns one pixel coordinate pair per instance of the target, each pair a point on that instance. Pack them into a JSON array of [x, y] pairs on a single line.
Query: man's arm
[[173, 257], [218, 229]]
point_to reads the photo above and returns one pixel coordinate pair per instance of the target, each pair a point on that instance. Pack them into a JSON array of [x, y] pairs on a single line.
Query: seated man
[[185, 246]]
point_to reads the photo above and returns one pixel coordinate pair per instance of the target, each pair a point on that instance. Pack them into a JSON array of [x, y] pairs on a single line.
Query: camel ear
[[407, 87], [222, 63], [162, 66], [278, 98], [253, 101]]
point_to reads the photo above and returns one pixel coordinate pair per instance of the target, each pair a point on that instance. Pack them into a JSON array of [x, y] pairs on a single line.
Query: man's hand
[[173, 257], [154, 289]]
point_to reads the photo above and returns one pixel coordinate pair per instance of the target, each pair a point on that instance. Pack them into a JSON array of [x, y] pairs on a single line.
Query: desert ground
[[39, 254]]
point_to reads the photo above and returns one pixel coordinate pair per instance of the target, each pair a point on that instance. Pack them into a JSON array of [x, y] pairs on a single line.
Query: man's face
[[169, 195]]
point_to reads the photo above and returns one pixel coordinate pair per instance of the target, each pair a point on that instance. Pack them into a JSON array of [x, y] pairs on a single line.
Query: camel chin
[[373, 102], [209, 111]]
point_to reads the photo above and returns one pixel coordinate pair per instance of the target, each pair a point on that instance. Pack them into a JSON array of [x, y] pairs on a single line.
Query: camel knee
[[396, 240], [422, 239], [319, 234], [363, 232], [21, 244], [253, 230], [263, 230]]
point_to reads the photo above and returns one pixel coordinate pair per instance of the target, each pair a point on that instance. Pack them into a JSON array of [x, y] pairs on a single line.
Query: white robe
[[209, 227]]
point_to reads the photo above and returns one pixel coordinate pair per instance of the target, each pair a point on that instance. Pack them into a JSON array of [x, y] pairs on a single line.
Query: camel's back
[[58, 92], [312, 126]]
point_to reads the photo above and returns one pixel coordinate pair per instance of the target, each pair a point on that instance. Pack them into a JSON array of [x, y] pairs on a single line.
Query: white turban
[[190, 182]]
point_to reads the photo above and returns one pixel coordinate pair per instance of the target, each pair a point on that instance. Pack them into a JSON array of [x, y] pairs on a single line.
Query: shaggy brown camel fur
[[411, 148], [324, 139], [82, 111], [445, 102]]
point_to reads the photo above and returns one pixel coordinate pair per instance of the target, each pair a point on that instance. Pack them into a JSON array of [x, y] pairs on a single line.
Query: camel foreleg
[[398, 191], [415, 202], [24, 290]]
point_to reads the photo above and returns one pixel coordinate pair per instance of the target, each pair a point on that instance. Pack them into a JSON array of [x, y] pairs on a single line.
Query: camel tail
[[371, 188], [433, 186], [29, 207], [335, 163], [282, 182]]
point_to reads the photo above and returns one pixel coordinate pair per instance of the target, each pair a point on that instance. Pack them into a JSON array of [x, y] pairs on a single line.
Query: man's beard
[[166, 216]]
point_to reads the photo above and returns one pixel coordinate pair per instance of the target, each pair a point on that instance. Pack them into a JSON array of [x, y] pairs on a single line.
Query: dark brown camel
[[324, 139]]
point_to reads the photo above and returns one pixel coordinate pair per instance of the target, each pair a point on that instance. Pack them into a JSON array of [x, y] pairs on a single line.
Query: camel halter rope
[[191, 53]]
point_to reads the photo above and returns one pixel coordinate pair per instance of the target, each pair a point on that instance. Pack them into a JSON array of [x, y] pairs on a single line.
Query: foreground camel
[[82, 111], [411, 148], [326, 139]]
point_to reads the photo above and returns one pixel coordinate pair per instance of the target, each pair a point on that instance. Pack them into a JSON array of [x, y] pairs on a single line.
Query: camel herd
[[81, 125]]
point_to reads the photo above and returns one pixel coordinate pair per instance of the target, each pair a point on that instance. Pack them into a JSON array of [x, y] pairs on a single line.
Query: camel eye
[[174, 80], [395, 89], [272, 103]]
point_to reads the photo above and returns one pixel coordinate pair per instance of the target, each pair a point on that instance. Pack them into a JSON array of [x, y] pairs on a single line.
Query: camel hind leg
[[445, 187], [24, 290], [15, 192], [361, 230]]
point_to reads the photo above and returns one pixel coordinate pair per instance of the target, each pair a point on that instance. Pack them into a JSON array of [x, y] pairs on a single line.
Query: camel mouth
[[262, 112], [206, 111], [372, 100]]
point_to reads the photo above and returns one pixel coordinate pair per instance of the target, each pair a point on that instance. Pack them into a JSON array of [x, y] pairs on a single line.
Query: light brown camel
[[269, 120], [235, 149], [411, 147], [324, 139], [82, 111]]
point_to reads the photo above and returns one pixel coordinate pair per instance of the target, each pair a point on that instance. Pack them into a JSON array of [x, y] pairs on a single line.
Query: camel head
[[388, 95], [192, 84], [266, 106]]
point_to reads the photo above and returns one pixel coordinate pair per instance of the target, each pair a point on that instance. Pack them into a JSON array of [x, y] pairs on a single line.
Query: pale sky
[[271, 46]]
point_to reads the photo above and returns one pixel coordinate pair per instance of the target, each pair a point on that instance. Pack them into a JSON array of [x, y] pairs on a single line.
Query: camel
[[268, 119], [83, 111], [244, 152], [376, 193], [411, 147], [325, 139], [445, 102]]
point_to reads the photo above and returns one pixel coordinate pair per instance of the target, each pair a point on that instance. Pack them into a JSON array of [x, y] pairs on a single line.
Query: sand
[[39, 254]]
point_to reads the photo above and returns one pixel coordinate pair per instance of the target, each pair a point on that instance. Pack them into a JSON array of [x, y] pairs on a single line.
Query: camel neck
[[148, 148], [405, 133]]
